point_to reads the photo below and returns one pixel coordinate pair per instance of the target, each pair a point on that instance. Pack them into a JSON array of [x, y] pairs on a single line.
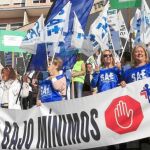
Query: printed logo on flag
[[146, 92], [124, 115]]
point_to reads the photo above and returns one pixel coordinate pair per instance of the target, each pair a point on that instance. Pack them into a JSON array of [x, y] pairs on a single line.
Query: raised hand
[[123, 115]]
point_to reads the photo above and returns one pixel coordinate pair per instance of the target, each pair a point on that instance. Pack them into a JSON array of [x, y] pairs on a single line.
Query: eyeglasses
[[107, 55]]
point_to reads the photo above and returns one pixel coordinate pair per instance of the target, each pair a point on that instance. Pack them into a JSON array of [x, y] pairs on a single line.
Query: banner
[[93, 121], [10, 41], [120, 4]]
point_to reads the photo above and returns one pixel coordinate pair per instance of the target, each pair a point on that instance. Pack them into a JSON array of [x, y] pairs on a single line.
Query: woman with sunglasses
[[108, 76]]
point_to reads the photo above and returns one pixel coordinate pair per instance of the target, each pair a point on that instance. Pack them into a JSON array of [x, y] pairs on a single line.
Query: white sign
[[126, 0], [11, 40], [93, 121]]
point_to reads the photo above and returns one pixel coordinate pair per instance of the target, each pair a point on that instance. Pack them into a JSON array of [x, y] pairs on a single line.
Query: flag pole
[[72, 89], [112, 44], [130, 36], [53, 55], [125, 45], [13, 59]]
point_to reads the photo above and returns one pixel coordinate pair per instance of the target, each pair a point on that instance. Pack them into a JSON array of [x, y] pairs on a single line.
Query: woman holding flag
[[54, 87]]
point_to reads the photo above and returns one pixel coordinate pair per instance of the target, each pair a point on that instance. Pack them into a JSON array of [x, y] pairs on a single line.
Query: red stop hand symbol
[[123, 113]]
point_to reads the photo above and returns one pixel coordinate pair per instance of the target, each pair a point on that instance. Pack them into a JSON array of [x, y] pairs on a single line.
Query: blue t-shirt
[[47, 91], [135, 74], [106, 79]]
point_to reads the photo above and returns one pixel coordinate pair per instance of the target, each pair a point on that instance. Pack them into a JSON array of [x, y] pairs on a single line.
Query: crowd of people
[[100, 72]]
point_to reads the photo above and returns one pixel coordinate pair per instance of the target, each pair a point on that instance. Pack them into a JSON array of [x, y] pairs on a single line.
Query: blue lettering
[[54, 22]]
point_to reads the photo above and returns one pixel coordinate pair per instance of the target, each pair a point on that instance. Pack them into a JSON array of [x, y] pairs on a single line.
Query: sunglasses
[[107, 55]]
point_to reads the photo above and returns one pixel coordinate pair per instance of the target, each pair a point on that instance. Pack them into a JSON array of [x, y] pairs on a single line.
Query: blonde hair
[[102, 56], [58, 62], [132, 54]]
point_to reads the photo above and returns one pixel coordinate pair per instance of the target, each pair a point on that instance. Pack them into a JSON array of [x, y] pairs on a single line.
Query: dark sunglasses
[[107, 55]]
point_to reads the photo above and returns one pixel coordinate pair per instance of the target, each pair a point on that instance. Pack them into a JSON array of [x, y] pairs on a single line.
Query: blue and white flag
[[78, 35], [90, 45], [85, 43], [33, 37], [82, 9], [56, 27], [135, 27], [114, 30], [145, 23], [99, 29]]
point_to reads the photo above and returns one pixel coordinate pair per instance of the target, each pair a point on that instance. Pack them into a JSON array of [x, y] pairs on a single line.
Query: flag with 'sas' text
[[120, 4]]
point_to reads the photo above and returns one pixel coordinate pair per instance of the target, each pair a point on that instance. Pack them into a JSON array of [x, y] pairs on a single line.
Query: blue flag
[[82, 10], [38, 61], [81, 7]]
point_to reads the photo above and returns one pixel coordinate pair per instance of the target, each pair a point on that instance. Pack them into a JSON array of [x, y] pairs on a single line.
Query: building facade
[[17, 13]]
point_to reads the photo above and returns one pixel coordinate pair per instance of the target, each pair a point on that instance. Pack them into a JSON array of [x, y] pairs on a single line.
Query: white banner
[[93, 121]]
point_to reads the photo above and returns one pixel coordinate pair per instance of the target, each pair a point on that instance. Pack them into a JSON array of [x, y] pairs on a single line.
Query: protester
[[140, 69], [78, 75], [10, 89], [34, 85], [126, 61], [108, 76], [87, 89], [95, 59], [27, 102], [54, 87]]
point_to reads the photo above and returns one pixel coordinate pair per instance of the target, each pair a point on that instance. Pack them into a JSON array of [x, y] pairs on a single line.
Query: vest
[[77, 67], [47, 91]]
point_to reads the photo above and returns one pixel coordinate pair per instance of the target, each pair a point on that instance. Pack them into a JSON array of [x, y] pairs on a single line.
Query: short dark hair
[[127, 56]]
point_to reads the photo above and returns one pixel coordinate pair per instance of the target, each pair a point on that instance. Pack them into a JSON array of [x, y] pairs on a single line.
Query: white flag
[[135, 26], [122, 26], [99, 29], [77, 38], [114, 30], [145, 23], [58, 25], [33, 36]]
